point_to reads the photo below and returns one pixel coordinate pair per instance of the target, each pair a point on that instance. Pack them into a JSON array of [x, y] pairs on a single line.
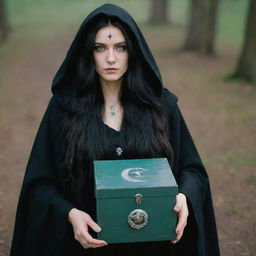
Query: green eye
[[99, 48], [121, 48]]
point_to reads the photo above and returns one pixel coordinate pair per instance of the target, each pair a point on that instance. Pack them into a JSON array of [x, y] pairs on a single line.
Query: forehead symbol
[[109, 36]]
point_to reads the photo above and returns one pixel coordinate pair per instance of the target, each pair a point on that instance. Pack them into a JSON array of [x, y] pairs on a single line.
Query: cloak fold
[[193, 181], [41, 203]]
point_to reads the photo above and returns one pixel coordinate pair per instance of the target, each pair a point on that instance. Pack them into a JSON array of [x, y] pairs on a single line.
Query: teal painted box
[[135, 200]]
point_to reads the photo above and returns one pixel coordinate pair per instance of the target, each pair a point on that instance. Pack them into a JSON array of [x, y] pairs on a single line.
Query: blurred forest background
[[206, 51]]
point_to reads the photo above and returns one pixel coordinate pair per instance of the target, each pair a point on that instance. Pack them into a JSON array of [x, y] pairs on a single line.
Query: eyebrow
[[105, 44]]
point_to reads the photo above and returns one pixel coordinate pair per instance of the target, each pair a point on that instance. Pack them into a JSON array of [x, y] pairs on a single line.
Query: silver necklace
[[113, 112]]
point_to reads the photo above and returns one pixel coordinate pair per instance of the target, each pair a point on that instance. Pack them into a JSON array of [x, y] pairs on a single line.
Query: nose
[[111, 58]]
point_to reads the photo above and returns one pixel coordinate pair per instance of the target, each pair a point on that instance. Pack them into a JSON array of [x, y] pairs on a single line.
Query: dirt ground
[[220, 116]]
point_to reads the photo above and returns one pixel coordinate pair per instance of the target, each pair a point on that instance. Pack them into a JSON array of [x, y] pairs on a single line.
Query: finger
[[88, 245], [182, 221], [174, 241], [94, 225], [180, 228], [177, 206], [177, 231], [178, 237], [92, 240], [85, 244], [98, 245], [179, 234]]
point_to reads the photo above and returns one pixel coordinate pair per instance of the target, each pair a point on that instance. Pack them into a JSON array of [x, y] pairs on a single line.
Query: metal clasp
[[138, 218], [138, 198]]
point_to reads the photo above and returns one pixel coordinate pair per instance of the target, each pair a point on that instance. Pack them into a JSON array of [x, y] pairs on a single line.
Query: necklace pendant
[[112, 111]]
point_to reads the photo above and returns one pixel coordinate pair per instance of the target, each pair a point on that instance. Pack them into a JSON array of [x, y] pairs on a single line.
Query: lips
[[111, 69]]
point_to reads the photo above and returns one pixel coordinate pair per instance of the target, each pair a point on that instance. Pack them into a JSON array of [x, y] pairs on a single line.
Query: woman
[[108, 103]]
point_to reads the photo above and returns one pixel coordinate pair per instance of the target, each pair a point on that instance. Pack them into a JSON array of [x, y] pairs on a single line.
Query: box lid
[[123, 178]]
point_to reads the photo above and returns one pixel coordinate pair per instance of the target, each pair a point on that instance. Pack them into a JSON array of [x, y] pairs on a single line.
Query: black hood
[[60, 86]]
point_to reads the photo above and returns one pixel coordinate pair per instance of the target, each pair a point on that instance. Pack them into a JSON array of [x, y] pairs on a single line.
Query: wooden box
[[135, 200]]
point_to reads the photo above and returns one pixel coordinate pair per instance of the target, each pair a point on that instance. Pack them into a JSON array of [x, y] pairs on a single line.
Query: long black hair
[[144, 129]]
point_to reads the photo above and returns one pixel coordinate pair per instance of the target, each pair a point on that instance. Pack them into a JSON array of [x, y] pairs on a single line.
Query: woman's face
[[110, 54]]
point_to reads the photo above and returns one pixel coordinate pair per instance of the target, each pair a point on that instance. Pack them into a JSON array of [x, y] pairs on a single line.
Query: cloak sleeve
[[41, 217], [192, 180]]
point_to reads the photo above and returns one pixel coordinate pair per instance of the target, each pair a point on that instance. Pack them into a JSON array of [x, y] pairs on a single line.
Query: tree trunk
[[211, 26], [4, 27], [246, 68], [202, 26], [196, 35], [159, 12]]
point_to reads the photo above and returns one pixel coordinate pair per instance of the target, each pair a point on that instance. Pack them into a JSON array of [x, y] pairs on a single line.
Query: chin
[[111, 79]]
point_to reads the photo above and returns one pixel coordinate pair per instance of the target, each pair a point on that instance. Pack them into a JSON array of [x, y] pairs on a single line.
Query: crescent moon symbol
[[125, 174]]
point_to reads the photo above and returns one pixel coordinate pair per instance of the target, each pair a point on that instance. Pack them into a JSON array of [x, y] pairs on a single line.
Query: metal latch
[[138, 198]]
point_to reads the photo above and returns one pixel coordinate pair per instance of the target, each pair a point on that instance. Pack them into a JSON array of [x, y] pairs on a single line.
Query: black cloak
[[41, 225]]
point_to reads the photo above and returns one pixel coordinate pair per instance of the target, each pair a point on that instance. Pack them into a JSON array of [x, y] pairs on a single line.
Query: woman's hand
[[80, 222], [181, 208]]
